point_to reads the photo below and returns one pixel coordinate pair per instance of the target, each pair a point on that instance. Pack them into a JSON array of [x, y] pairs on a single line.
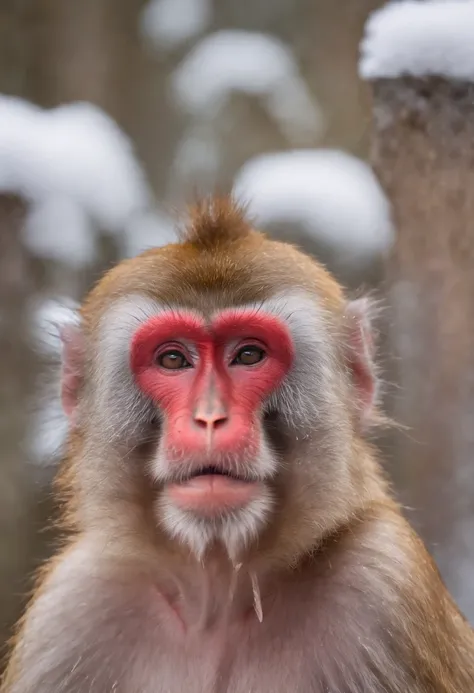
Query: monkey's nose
[[210, 419]]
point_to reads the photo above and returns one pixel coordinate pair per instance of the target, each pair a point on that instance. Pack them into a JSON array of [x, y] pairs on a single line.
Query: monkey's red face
[[210, 382], [218, 408]]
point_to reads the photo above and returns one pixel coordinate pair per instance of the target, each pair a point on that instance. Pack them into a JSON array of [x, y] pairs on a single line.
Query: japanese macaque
[[229, 528]]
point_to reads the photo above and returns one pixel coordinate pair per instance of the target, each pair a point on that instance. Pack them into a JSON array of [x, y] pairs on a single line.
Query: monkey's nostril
[[217, 423], [210, 420]]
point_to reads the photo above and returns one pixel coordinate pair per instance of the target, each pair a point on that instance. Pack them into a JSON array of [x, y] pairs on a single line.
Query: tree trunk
[[423, 151]]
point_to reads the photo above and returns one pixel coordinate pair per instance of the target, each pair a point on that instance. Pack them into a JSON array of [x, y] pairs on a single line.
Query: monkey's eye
[[172, 360], [248, 356]]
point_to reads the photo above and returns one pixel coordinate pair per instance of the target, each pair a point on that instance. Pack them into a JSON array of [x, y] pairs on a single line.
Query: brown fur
[[352, 601], [219, 254]]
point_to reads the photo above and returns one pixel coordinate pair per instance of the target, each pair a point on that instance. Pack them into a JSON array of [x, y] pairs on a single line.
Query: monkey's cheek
[[212, 495]]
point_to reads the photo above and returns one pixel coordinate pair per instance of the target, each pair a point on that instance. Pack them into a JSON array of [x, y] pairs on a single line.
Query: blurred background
[[112, 115]]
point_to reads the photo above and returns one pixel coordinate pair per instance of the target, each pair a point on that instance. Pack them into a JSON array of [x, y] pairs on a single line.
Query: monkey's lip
[[210, 494]]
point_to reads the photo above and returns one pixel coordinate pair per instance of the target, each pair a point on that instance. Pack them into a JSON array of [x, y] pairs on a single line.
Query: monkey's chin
[[211, 512], [212, 495]]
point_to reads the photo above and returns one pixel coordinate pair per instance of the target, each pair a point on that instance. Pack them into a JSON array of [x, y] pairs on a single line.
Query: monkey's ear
[[72, 368], [361, 355]]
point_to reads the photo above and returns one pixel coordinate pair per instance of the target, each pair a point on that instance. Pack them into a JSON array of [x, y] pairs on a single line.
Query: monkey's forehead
[[205, 281]]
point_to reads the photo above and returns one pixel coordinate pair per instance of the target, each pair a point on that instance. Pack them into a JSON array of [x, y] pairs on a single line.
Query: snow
[[334, 196], [419, 39], [166, 24], [73, 151], [248, 62], [78, 172]]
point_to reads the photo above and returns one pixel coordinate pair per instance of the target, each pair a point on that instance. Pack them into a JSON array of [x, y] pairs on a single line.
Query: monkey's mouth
[[214, 470], [212, 490]]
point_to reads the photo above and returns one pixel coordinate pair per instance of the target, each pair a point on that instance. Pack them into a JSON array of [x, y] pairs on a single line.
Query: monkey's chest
[[234, 660], [286, 653], [297, 649]]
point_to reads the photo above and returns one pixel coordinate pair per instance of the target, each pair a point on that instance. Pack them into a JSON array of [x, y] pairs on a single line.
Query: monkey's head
[[219, 388]]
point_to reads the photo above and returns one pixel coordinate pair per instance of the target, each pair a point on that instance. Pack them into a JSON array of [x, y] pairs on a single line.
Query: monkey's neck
[[208, 593]]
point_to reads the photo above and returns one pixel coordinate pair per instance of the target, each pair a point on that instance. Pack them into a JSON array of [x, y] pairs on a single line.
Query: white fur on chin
[[235, 530]]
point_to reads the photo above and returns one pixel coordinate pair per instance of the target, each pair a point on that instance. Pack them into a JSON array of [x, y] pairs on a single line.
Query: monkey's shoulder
[[378, 595]]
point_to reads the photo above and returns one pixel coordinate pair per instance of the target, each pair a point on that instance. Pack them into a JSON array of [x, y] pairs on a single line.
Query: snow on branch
[[79, 173], [247, 62], [334, 196], [74, 151], [417, 39]]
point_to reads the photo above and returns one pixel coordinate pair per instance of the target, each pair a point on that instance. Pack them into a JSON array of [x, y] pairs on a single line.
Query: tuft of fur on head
[[214, 222]]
